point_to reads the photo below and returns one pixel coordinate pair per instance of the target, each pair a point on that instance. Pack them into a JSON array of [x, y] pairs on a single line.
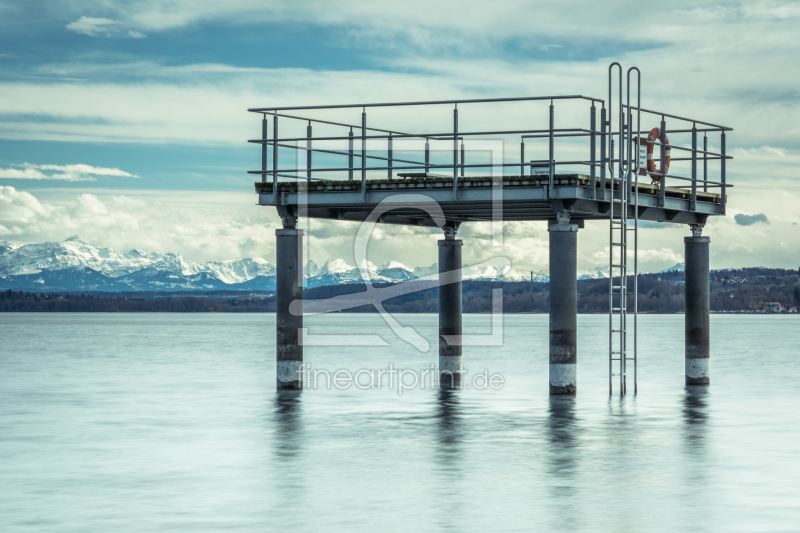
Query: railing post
[[723, 195], [390, 157], [705, 162], [592, 154], [631, 154], [522, 158], [308, 152], [455, 153], [350, 172], [603, 153], [264, 128], [552, 173], [275, 159], [693, 204], [364, 155], [663, 138], [427, 156], [462, 157]]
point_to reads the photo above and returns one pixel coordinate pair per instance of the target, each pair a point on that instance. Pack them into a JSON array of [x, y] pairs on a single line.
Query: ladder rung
[[623, 374]]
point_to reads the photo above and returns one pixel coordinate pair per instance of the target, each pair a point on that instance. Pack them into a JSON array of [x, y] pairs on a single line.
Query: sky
[[126, 122]]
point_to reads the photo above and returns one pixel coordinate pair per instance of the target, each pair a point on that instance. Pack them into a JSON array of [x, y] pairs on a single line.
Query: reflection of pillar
[[562, 451], [450, 311], [287, 472], [694, 413], [449, 422], [447, 459], [563, 305], [288, 423], [697, 308], [288, 287]]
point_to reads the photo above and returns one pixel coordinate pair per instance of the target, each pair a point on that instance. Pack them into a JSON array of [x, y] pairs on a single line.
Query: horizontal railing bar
[[560, 135], [444, 136], [726, 128], [428, 102], [356, 153], [676, 147], [431, 165], [643, 132], [270, 173], [555, 130], [334, 123]]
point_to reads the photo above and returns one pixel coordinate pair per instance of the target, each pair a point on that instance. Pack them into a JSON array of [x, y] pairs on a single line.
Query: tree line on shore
[[731, 290]]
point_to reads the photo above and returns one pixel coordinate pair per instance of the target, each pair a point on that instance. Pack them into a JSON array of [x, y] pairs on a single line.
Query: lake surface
[[171, 422]]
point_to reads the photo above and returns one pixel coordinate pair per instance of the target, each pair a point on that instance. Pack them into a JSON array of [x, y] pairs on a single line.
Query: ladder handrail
[[628, 171]]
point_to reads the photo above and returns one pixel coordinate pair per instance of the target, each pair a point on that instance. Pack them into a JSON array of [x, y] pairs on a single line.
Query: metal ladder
[[627, 195]]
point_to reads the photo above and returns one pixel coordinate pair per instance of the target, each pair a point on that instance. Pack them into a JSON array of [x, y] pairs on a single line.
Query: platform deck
[[519, 198]]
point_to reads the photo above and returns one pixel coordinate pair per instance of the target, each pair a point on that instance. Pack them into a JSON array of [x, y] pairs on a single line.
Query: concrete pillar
[[288, 287], [697, 308], [563, 305], [450, 369]]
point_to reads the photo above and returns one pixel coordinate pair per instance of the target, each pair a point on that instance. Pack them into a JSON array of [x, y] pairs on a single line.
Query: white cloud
[[136, 34], [201, 226], [61, 172], [217, 225], [93, 27]]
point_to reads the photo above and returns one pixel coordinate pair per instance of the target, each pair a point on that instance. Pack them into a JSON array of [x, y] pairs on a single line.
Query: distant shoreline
[[747, 291]]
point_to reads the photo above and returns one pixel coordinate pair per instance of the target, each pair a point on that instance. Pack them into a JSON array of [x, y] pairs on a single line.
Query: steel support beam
[[450, 369], [697, 308], [289, 287], [563, 305]]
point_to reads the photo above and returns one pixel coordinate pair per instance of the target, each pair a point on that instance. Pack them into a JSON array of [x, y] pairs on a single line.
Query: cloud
[[102, 27], [201, 226], [749, 220], [61, 172], [93, 27]]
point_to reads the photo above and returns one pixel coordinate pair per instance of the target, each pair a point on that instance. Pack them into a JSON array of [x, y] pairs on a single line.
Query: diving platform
[[444, 163]]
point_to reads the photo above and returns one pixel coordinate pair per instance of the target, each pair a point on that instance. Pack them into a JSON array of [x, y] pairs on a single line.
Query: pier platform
[[521, 198]]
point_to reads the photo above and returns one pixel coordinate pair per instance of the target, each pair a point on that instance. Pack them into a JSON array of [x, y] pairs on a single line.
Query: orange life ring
[[651, 163]]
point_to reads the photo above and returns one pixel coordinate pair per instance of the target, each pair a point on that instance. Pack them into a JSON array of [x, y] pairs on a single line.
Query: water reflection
[[448, 457], [562, 433], [448, 426], [287, 419], [695, 416]]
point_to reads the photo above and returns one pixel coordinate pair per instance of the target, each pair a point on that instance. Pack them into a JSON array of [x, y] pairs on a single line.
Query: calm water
[[171, 423]]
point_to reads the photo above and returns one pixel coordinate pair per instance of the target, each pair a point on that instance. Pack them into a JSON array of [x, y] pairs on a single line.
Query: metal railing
[[611, 151]]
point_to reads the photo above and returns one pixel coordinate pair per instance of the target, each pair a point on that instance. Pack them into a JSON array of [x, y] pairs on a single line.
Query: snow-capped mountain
[[76, 252], [595, 273], [239, 270], [679, 267], [75, 264]]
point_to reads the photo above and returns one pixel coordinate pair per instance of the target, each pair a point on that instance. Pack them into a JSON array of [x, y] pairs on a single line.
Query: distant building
[[773, 307]]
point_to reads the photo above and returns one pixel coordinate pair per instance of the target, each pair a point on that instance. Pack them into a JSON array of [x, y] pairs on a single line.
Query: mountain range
[[76, 265]]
